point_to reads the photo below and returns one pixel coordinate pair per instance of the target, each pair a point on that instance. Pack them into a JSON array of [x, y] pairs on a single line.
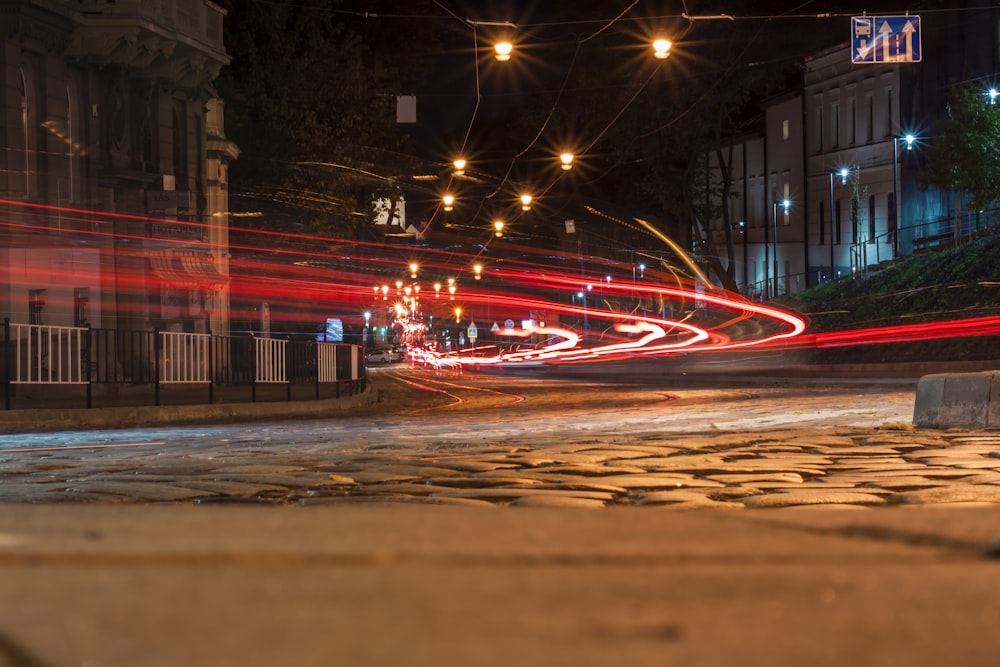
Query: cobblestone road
[[487, 440]]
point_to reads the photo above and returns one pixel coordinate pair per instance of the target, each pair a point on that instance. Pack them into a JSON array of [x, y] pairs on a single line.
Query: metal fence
[[55, 366]]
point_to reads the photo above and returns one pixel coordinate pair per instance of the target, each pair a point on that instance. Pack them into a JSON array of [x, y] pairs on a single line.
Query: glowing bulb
[[503, 50], [661, 48], [567, 161]]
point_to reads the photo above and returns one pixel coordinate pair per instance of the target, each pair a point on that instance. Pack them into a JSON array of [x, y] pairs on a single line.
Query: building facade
[[113, 173], [844, 149]]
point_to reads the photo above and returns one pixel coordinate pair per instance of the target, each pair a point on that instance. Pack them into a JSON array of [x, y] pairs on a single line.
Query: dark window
[[36, 306], [836, 229], [822, 224], [872, 232]]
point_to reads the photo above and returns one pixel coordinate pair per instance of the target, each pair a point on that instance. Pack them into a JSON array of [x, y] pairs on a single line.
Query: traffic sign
[[885, 39], [473, 332]]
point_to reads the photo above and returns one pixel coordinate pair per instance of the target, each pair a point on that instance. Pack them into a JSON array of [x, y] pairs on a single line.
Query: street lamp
[[498, 228], [909, 139], [526, 202], [459, 164], [477, 269], [785, 203], [843, 173], [566, 161], [502, 50], [661, 48], [449, 202], [413, 269]]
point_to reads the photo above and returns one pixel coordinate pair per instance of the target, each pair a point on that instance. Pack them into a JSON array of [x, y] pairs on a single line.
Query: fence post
[[211, 368], [86, 364], [253, 368], [7, 361], [157, 350], [288, 369]]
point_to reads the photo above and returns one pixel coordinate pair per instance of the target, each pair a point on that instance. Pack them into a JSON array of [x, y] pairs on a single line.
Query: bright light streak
[[588, 316]]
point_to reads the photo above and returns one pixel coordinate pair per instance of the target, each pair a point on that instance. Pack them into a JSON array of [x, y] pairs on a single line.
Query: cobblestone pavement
[[487, 440]]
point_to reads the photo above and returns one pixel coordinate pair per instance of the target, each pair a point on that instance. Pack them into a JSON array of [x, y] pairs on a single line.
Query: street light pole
[[830, 217], [909, 139], [774, 221]]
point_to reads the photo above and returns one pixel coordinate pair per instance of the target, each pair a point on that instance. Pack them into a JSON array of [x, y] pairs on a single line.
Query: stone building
[[113, 169], [844, 147]]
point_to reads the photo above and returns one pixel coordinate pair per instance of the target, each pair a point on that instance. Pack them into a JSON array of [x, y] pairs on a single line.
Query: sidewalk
[[389, 584]]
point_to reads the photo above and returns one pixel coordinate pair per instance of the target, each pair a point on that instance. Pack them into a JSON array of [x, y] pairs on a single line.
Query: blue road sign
[[885, 39]]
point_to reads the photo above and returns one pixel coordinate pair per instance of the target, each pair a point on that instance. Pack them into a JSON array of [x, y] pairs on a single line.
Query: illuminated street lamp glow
[[458, 313], [413, 269], [478, 270], [661, 48], [566, 160], [844, 171], [503, 50], [526, 202], [909, 138], [993, 92], [449, 202], [459, 164], [498, 227]]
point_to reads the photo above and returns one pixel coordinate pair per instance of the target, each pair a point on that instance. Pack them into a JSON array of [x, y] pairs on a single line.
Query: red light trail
[[571, 309]]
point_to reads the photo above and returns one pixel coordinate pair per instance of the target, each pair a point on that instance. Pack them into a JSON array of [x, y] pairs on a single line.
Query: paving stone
[[482, 482], [226, 488], [293, 481], [583, 485], [406, 488], [903, 482], [371, 477], [685, 499], [255, 468], [952, 493], [658, 481], [813, 497], [594, 470], [512, 493], [557, 501], [139, 490], [474, 465], [738, 478]]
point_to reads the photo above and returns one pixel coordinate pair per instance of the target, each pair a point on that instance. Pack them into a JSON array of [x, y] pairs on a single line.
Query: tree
[[311, 100], [963, 155]]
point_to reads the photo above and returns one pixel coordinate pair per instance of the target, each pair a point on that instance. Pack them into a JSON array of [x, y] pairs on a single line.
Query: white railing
[[326, 362], [269, 360], [48, 354], [184, 357]]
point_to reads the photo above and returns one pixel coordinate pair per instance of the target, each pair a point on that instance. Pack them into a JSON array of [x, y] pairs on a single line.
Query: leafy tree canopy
[[963, 156], [311, 101]]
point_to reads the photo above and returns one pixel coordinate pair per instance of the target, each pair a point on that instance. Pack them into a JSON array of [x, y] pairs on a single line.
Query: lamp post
[[785, 203], [842, 172], [909, 139]]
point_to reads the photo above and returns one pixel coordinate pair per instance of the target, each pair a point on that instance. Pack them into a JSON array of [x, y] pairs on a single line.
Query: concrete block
[[958, 400]]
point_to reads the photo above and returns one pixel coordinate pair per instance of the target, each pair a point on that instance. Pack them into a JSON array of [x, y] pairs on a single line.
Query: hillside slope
[[943, 284]]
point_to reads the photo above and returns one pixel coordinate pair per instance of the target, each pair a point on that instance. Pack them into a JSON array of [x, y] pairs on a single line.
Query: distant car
[[379, 357], [396, 354]]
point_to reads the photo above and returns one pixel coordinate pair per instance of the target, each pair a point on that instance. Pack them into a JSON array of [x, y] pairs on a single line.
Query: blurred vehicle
[[383, 356]]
